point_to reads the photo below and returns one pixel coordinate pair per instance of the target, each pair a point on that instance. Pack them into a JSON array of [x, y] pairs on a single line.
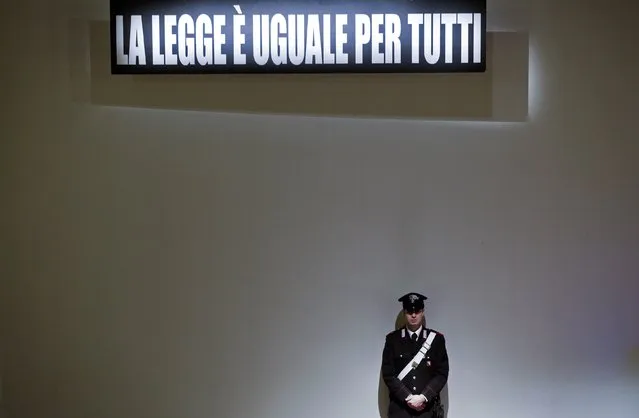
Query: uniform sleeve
[[440, 364], [389, 374]]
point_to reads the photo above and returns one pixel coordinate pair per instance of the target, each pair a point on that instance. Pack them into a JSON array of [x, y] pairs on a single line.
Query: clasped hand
[[417, 402]]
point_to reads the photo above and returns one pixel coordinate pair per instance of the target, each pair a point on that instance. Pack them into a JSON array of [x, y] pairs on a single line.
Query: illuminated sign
[[306, 36]]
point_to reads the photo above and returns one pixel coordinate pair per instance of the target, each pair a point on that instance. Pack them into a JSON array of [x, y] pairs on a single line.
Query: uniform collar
[[410, 333]]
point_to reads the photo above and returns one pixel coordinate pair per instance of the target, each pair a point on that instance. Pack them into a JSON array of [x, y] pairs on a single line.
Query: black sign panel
[[306, 36]]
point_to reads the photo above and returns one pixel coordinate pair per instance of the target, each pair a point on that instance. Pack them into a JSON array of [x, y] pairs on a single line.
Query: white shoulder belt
[[419, 356]]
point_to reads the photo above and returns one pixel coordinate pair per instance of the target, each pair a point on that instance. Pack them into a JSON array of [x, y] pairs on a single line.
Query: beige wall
[[159, 263]]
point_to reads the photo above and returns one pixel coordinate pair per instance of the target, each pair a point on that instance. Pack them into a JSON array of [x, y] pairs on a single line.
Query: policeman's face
[[414, 319]]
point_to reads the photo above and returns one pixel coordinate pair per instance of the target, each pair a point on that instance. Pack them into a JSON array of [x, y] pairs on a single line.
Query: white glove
[[416, 401]]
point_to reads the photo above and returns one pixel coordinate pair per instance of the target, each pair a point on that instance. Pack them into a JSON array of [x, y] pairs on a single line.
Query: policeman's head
[[413, 304]]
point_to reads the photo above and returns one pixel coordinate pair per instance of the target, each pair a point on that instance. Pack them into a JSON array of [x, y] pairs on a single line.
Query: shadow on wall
[[499, 94], [382, 392]]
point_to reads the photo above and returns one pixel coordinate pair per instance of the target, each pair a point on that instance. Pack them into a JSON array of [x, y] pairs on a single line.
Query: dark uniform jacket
[[429, 378]]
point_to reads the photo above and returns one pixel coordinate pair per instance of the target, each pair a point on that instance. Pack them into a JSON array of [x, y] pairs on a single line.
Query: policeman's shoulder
[[437, 333], [394, 334]]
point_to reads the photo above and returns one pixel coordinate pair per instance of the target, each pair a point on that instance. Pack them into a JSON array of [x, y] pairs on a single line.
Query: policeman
[[414, 364]]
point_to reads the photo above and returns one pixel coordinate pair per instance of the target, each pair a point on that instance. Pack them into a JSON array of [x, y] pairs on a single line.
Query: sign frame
[[207, 36]]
